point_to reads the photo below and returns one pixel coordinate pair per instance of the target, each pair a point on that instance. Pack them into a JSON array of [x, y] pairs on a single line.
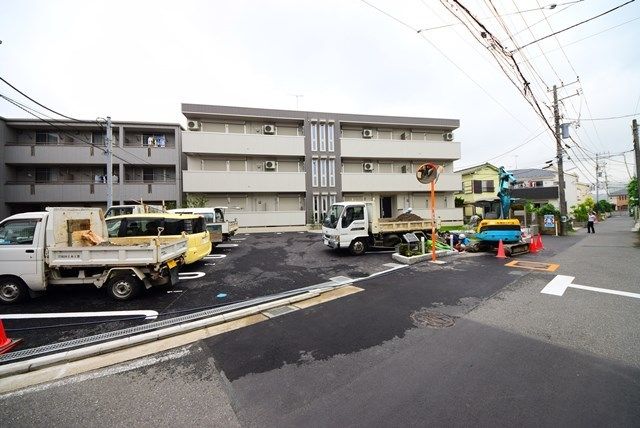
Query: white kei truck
[[69, 246], [353, 226]]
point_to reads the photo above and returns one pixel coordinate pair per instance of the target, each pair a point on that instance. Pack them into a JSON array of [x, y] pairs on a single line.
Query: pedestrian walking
[[591, 220]]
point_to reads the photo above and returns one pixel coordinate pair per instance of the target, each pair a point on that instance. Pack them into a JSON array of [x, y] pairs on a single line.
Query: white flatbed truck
[[41, 249], [353, 226]]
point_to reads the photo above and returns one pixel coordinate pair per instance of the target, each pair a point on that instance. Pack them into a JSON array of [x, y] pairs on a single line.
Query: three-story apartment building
[[284, 167], [64, 163]]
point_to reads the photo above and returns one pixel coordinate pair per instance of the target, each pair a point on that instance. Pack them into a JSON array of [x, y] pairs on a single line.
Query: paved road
[[249, 266], [514, 356]]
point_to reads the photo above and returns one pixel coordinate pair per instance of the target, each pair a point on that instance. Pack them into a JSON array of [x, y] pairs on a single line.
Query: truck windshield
[[331, 220]]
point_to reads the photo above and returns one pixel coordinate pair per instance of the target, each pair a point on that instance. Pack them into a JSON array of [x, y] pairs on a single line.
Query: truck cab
[[347, 226], [22, 247]]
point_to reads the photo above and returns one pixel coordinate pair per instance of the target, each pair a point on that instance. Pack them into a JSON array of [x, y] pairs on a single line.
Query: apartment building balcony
[[85, 154], [72, 192], [379, 182], [399, 149], [242, 144], [52, 154], [242, 181]]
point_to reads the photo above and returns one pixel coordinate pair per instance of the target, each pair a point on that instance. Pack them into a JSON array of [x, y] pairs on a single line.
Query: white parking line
[[215, 256], [190, 275], [558, 285], [238, 239], [148, 315], [226, 245]]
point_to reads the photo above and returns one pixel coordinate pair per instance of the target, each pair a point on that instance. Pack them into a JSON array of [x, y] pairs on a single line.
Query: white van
[[219, 228]]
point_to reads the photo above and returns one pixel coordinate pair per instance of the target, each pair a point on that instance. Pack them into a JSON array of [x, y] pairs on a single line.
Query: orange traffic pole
[[433, 221]]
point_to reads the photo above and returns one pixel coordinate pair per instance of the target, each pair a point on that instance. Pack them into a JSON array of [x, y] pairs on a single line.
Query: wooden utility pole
[[561, 195]]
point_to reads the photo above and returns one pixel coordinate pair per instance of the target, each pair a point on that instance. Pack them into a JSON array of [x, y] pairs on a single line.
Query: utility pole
[[109, 151], [561, 195], [597, 180], [636, 148]]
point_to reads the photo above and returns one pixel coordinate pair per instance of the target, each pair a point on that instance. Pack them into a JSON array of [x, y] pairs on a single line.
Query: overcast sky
[[138, 60]]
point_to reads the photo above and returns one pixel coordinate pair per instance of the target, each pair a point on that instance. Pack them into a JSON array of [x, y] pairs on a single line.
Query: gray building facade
[[286, 167], [63, 163]]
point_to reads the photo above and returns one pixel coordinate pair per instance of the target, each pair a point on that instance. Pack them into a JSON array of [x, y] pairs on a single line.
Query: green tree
[[195, 200], [459, 202], [632, 191], [581, 211], [604, 206]]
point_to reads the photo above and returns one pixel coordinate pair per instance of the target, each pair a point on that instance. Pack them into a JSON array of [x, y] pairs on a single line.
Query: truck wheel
[[391, 241], [358, 247], [13, 290], [124, 287]]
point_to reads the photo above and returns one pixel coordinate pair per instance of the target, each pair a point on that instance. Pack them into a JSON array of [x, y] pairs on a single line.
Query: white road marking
[[148, 315], [215, 256], [558, 285], [190, 275], [175, 291], [209, 264], [238, 239], [226, 245]]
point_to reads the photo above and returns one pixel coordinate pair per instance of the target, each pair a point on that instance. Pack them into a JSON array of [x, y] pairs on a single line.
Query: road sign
[[549, 220]]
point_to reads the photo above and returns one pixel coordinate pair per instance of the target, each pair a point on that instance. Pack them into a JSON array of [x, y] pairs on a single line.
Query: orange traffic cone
[[501, 254], [540, 244], [533, 245], [6, 343]]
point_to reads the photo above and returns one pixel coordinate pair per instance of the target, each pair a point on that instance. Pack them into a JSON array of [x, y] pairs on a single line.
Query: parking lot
[[248, 266]]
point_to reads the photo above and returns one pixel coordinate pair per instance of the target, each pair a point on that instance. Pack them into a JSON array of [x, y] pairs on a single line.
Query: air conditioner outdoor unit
[[269, 129], [367, 166], [270, 165], [448, 136], [193, 125], [367, 133]]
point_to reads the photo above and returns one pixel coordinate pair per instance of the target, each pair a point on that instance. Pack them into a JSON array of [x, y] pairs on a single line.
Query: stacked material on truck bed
[[406, 217]]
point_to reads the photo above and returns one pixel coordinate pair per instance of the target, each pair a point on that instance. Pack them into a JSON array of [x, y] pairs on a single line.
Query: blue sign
[[549, 220]]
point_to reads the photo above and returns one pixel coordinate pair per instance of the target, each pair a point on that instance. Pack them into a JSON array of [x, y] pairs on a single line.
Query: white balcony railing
[[378, 182], [242, 181], [399, 149], [242, 144]]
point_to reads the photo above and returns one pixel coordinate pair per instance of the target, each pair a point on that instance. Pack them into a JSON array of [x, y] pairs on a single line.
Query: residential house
[[479, 188]]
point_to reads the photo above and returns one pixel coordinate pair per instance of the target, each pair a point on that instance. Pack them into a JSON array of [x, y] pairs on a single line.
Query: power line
[[31, 111], [448, 59], [607, 118], [34, 101], [574, 25]]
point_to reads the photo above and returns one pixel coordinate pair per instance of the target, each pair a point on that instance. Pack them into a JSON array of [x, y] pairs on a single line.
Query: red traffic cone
[[540, 244], [501, 254], [533, 245], [6, 343]]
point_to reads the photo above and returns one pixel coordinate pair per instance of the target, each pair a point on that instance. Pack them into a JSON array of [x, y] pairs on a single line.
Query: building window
[[43, 175], [98, 138], [314, 137], [44, 137], [330, 139], [314, 172], [323, 142], [316, 208], [147, 175], [332, 199], [324, 207], [480, 186], [323, 173], [332, 172]]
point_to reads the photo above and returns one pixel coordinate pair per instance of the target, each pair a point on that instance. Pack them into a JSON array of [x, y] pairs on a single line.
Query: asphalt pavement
[[470, 342]]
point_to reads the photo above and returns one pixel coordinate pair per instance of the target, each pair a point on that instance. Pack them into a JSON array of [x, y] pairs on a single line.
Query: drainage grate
[[280, 310], [429, 318]]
